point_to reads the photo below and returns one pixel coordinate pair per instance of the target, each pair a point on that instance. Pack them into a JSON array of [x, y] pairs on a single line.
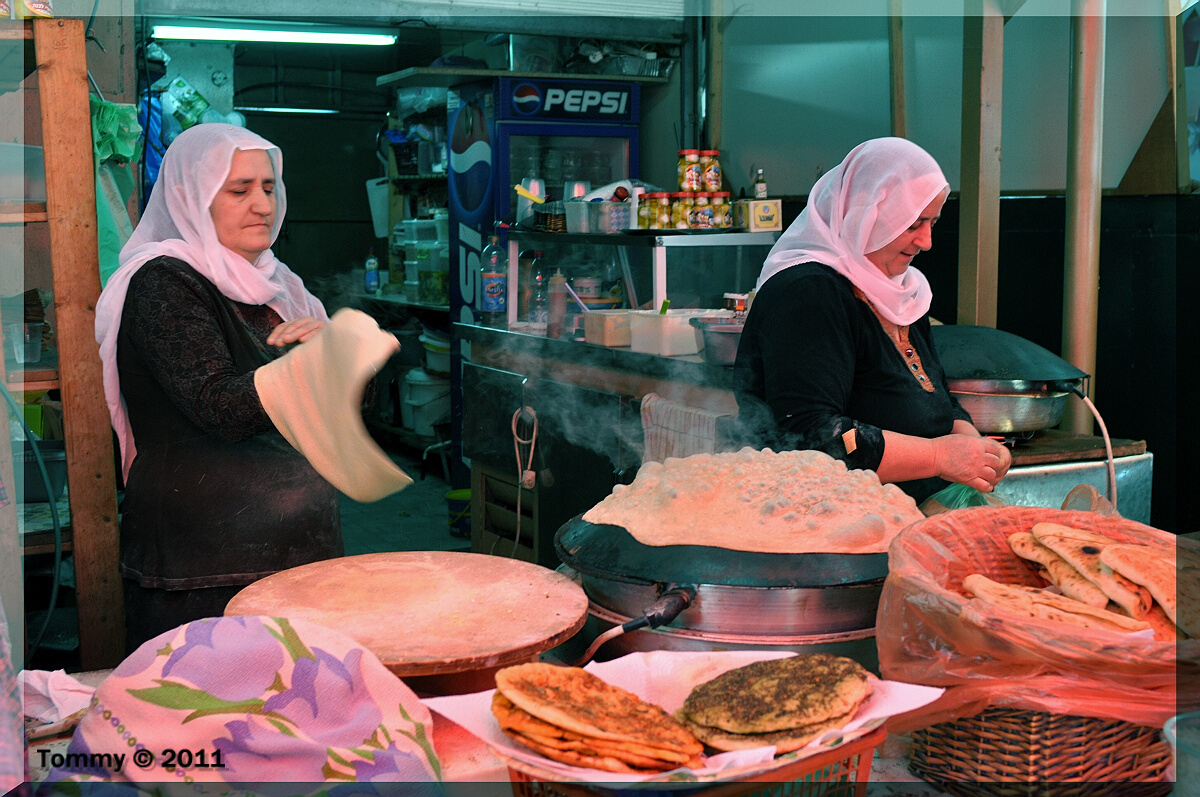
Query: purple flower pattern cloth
[[272, 700]]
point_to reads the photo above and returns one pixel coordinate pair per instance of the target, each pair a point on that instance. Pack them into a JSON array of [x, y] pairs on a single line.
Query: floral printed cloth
[[249, 700]]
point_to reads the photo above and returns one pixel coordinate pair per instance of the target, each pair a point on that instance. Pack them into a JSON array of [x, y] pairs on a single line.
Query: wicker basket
[[840, 772], [1034, 747]]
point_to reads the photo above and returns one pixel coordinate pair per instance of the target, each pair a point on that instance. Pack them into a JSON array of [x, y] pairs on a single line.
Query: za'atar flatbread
[[784, 741], [1142, 566], [1058, 572], [1041, 605], [575, 700], [759, 501], [779, 694], [1082, 550]]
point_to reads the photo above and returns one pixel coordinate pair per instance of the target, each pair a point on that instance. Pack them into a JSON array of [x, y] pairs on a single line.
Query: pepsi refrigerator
[[502, 131]]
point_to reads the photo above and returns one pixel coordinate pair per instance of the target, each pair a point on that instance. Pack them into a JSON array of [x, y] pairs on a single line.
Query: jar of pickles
[[702, 212], [659, 205], [722, 210], [689, 170], [682, 203], [710, 170]]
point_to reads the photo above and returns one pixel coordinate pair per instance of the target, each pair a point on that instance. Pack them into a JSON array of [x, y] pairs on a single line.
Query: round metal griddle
[[611, 552], [738, 593], [983, 353]]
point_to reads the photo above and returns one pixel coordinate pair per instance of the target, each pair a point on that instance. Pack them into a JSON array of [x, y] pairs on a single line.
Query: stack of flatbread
[[785, 702], [1104, 583], [569, 715]]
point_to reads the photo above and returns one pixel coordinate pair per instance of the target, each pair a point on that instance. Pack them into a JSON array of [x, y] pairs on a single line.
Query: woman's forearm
[[906, 457], [964, 427], [957, 457]]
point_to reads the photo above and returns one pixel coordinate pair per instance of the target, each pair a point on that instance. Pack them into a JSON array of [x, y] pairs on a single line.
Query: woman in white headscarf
[[836, 354], [215, 497]]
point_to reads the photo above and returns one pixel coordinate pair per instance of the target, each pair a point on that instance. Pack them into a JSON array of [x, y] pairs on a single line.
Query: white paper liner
[[665, 678]]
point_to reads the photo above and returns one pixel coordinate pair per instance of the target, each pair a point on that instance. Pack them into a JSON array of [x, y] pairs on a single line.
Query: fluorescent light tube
[[254, 109], [223, 34]]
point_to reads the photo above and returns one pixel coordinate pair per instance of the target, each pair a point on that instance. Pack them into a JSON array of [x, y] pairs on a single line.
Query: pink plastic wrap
[[930, 632]]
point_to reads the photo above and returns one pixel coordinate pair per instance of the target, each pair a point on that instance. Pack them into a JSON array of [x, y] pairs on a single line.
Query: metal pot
[[995, 412], [721, 338]]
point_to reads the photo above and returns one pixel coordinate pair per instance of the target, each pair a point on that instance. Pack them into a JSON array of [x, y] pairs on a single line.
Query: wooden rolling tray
[[1056, 445], [443, 621]]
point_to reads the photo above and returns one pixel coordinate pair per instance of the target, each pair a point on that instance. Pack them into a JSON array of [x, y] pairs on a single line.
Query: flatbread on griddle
[[576, 700], [1142, 566], [784, 741], [1082, 551], [779, 694], [1072, 583], [1042, 605]]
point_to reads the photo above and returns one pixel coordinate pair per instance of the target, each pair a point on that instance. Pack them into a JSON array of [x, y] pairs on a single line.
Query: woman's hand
[[978, 462], [300, 329]]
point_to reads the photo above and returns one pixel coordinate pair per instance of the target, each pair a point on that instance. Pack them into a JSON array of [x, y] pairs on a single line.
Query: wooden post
[[896, 50], [979, 238], [71, 212]]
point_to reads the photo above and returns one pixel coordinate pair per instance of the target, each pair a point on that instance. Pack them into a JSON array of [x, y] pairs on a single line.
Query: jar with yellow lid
[[682, 203], [689, 170], [722, 210], [659, 204], [702, 212], [710, 170]]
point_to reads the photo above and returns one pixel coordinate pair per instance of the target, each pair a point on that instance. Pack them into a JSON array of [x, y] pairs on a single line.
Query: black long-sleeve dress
[[216, 498], [815, 361]]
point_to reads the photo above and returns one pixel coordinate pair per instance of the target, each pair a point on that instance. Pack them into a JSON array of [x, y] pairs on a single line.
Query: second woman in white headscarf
[[836, 354], [215, 497]]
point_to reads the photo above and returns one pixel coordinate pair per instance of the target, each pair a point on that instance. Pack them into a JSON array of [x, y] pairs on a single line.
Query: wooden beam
[[71, 210], [979, 238], [896, 50]]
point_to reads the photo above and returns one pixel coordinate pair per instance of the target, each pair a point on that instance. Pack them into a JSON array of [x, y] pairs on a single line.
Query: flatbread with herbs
[[575, 700], [779, 694], [784, 741]]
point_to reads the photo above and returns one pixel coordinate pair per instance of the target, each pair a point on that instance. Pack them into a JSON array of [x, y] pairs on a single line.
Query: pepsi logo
[[526, 99], [470, 157]]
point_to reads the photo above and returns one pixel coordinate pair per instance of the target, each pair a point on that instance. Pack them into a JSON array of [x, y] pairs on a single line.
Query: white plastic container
[[669, 335], [425, 401], [437, 354], [441, 222], [423, 230], [411, 288], [577, 215]]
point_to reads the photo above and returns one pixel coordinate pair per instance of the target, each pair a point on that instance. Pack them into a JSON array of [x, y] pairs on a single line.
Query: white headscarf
[[178, 223], [860, 206]]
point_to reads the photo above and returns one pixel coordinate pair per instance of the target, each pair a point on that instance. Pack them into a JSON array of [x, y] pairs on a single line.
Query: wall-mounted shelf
[[20, 377], [447, 78], [22, 212], [400, 179]]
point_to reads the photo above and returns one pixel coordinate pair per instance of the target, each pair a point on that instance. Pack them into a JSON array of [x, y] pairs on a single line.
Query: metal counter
[[1047, 485]]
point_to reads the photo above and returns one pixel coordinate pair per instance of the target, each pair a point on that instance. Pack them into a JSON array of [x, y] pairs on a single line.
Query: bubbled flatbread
[[575, 700], [759, 501], [779, 694]]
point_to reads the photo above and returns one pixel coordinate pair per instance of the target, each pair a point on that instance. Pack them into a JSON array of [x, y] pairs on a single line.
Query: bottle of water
[[494, 309], [539, 298], [372, 284]]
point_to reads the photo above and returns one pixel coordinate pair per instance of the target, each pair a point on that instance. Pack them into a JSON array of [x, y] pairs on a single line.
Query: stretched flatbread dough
[[1058, 572], [760, 501], [1082, 550], [313, 395]]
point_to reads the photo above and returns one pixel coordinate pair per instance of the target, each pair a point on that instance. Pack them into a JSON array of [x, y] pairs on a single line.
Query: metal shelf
[[447, 78]]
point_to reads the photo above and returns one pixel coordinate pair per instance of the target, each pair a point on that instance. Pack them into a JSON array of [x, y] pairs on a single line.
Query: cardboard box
[[606, 327], [758, 215], [668, 335]]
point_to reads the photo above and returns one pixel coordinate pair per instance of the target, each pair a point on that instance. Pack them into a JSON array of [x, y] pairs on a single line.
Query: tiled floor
[[414, 519]]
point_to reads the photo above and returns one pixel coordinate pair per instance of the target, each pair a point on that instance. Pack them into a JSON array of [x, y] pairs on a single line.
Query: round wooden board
[[428, 612]]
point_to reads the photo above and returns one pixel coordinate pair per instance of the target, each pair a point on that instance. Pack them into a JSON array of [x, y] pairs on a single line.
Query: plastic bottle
[[760, 185], [372, 265], [556, 312], [495, 284], [539, 300]]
